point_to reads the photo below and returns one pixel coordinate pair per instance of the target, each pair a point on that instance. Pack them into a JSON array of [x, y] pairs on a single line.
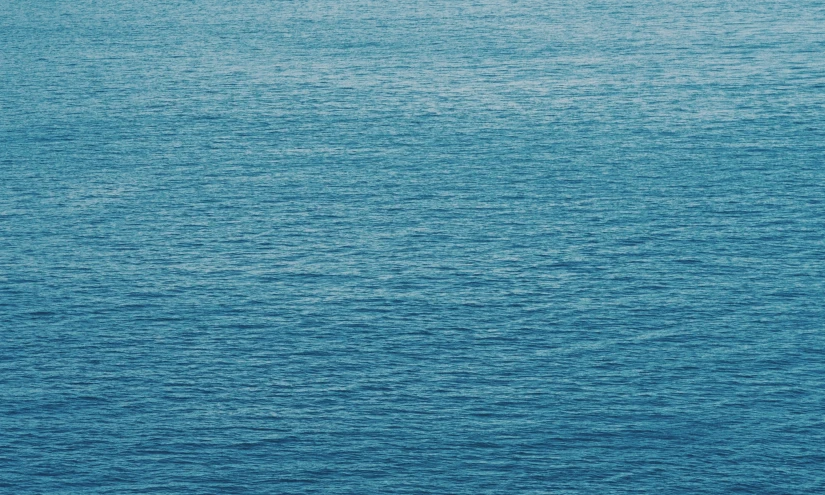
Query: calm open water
[[366, 247]]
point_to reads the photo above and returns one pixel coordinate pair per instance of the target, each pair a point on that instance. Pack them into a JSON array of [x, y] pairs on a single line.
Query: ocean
[[362, 247]]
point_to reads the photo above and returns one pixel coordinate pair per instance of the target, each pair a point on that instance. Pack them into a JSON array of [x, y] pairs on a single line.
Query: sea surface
[[426, 247]]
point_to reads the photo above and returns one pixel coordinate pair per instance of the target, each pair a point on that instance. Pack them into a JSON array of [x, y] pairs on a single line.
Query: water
[[456, 247]]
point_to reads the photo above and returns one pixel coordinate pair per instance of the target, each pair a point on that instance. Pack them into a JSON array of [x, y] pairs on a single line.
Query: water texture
[[368, 247]]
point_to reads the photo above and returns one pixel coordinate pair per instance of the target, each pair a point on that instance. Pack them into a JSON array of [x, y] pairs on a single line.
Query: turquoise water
[[456, 247]]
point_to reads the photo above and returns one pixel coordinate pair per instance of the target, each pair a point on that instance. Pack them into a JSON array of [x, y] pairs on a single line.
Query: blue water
[[365, 247]]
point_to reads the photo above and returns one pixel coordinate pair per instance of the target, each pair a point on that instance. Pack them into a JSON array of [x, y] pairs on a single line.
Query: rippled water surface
[[467, 247]]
